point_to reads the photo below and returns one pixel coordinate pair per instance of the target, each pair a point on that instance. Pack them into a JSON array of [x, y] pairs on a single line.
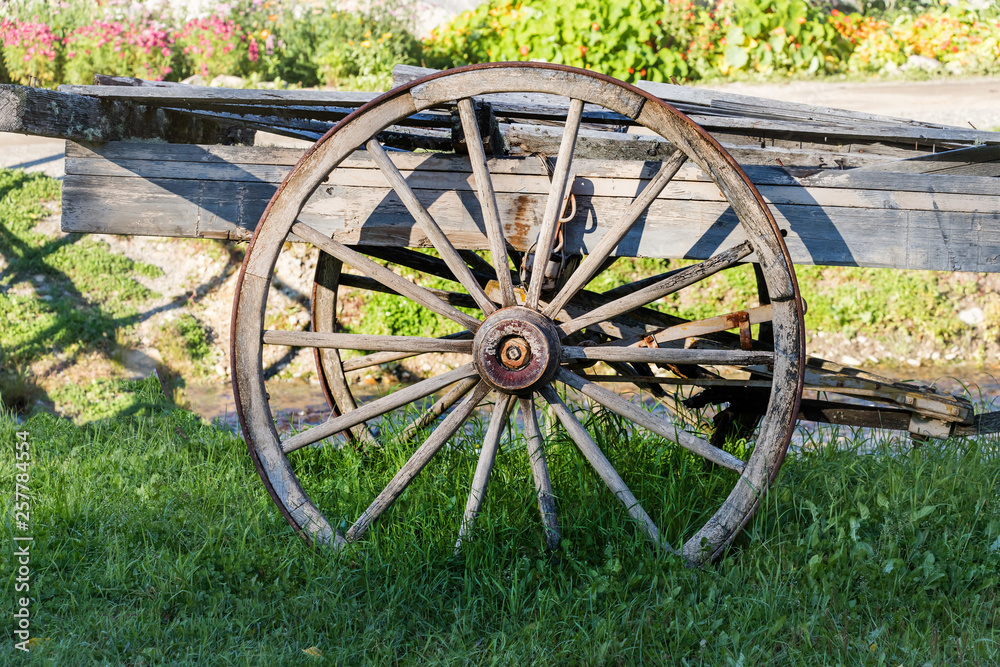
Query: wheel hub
[[516, 350]]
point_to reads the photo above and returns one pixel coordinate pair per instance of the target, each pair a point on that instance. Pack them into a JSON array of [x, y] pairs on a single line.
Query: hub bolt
[[515, 353]]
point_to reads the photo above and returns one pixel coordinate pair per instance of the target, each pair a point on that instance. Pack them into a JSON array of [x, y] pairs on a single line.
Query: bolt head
[[515, 353]]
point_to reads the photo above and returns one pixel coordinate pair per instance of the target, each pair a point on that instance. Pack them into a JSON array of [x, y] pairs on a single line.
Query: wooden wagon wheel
[[520, 340]]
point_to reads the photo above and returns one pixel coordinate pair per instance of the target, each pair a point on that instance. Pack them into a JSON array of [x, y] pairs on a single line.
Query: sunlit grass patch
[[155, 541]]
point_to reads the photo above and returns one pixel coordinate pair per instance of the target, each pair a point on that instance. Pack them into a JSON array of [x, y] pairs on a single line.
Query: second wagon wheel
[[523, 344]]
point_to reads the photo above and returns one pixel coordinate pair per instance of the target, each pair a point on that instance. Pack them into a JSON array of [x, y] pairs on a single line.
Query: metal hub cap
[[516, 350]]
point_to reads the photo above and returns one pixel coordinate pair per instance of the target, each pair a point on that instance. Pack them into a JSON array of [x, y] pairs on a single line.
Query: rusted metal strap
[[742, 319]]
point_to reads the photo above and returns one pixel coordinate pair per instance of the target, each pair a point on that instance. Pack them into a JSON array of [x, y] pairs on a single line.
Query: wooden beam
[[852, 218], [49, 113]]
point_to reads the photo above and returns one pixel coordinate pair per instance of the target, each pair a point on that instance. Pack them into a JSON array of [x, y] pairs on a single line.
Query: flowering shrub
[[119, 49], [215, 46], [960, 39], [359, 51], [31, 52], [768, 36], [649, 39], [304, 41], [627, 40]]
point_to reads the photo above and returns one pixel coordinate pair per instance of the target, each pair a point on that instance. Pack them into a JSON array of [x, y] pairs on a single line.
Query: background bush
[[310, 43]]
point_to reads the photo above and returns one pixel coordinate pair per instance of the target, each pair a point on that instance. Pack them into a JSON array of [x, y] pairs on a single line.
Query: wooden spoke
[[628, 288], [540, 473], [596, 259], [478, 263], [433, 265], [667, 355], [370, 360], [434, 232], [428, 416], [457, 299], [554, 204], [376, 408], [417, 462], [384, 275], [411, 259], [346, 341], [487, 199], [709, 325], [681, 382], [601, 464], [679, 280], [487, 456], [638, 415]]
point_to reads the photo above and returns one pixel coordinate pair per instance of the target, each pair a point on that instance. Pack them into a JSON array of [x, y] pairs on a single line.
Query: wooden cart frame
[[533, 331]]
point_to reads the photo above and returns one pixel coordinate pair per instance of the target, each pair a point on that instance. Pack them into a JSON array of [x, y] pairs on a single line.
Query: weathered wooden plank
[[975, 161], [248, 160], [796, 192], [753, 115], [524, 139], [848, 191], [940, 240], [168, 94], [48, 113]]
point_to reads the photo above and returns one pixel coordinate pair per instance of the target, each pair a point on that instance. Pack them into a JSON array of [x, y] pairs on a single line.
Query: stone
[[228, 81], [195, 80], [141, 363], [972, 316], [921, 62]]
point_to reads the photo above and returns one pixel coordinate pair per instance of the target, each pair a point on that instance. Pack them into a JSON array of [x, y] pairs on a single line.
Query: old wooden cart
[[458, 162]]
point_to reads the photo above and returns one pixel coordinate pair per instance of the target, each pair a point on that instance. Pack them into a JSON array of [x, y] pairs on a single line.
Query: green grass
[[156, 542], [70, 294]]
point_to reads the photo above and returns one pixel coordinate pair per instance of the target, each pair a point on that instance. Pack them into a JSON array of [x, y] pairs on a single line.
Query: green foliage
[[67, 294], [652, 40], [658, 40], [358, 51], [193, 336], [787, 36], [111, 399], [624, 39]]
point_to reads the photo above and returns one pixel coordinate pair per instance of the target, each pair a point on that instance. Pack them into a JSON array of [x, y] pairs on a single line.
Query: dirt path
[[960, 102]]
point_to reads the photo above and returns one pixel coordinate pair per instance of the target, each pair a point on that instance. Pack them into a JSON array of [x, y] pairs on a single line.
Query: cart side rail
[[848, 218]]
